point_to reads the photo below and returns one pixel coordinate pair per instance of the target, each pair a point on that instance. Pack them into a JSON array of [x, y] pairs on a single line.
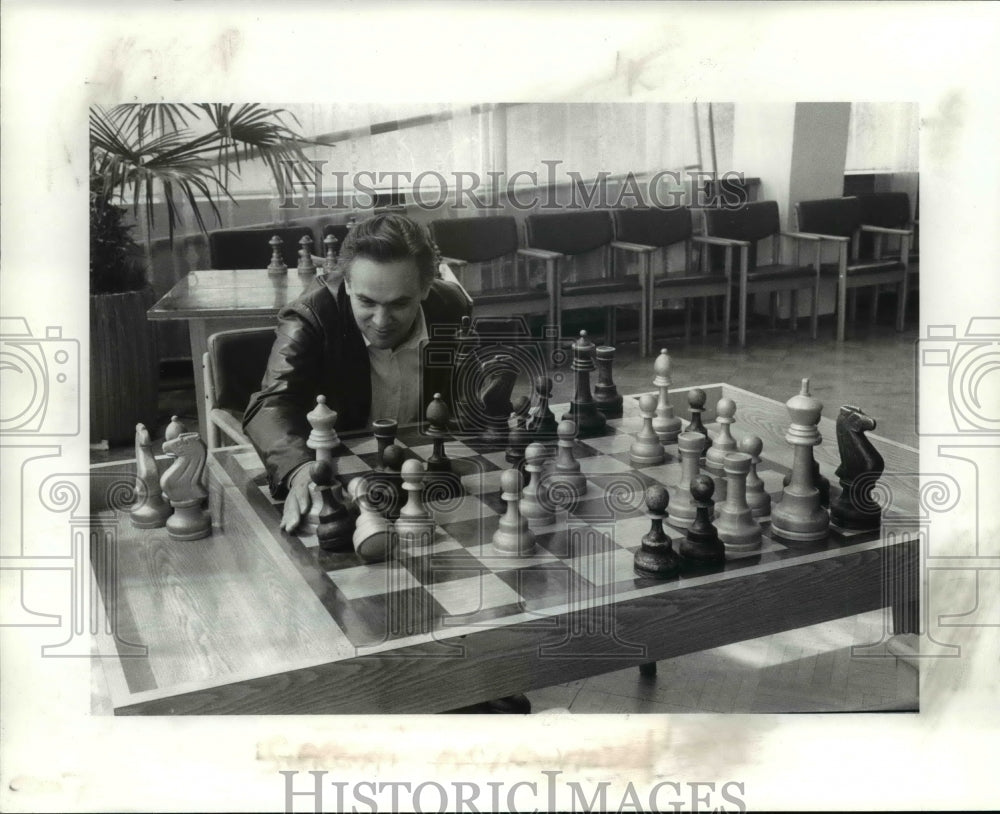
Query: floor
[[809, 669]]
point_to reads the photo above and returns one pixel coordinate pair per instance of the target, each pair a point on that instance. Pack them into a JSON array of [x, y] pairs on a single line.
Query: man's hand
[[299, 499]]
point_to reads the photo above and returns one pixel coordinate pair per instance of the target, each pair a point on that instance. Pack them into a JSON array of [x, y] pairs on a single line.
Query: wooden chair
[[565, 239], [250, 248], [487, 248], [839, 220], [745, 228], [648, 232], [233, 367]]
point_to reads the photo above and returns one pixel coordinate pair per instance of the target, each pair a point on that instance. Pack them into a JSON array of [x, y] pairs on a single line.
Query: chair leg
[[609, 325], [814, 316], [874, 312], [726, 310], [773, 307], [902, 292], [793, 314], [704, 317], [743, 321], [841, 310], [687, 320]]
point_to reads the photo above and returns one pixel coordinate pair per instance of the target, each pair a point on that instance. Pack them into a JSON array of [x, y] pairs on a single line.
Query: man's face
[[386, 298]]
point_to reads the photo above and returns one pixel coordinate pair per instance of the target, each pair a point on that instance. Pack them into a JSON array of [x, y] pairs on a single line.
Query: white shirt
[[396, 376]]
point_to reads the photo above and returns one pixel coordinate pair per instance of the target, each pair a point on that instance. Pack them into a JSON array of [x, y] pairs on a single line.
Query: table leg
[[198, 330]]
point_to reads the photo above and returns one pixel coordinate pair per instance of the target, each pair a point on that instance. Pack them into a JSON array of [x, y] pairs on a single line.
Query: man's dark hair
[[387, 238]]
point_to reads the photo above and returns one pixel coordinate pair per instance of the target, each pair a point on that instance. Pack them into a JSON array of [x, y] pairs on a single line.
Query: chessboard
[[459, 581]]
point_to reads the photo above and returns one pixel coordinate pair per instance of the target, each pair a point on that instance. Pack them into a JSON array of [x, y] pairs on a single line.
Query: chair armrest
[[885, 230], [454, 261], [832, 238], [801, 236], [540, 254], [719, 241], [638, 248]]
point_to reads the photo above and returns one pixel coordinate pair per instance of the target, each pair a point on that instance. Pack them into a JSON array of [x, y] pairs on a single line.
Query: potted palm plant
[[183, 159]]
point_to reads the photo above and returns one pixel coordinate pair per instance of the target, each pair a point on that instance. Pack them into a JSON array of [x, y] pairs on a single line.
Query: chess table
[[253, 620]]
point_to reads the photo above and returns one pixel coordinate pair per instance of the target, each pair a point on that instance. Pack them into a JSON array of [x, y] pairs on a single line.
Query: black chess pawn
[[702, 543], [696, 403], [388, 494], [384, 430], [336, 523], [609, 401], [518, 438], [656, 557], [541, 421], [438, 416]]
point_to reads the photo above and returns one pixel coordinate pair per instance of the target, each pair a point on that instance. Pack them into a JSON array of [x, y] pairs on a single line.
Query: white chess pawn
[[534, 501], [723, 443], [665, 424], [415, 525], [758, 499], [513, 537], [733, 519], [647, 448], [566, 474]]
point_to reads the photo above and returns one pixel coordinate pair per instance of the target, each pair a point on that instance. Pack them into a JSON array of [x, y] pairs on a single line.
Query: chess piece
[[535, 504], [696, 403], [512, 536], [646, 448], [174, 429], [861, 466], [373, 536], [415, 525], [322, 436], [758, 499], [606, 395], [335, 529], [330, 258], [150, 510], [518, 437], [306, 264], [656, 557], [583, 410], [182, 486], [821, 482], [541, 421], [384, 430], [277, 265], [499, 374], [733, 520], [683, 507], [666, 425], [566, 477], [438, 415], [724, 443], [701, 544], [388, 483], [799, 516]]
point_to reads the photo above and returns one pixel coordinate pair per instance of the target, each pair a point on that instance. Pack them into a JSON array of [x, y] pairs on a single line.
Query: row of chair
[[622, 258]]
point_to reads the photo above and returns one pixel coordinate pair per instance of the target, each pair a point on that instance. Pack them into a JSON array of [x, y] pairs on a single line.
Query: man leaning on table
[[357, 340]]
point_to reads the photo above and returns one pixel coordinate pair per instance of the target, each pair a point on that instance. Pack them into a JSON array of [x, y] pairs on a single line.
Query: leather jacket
[[319, 349]]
